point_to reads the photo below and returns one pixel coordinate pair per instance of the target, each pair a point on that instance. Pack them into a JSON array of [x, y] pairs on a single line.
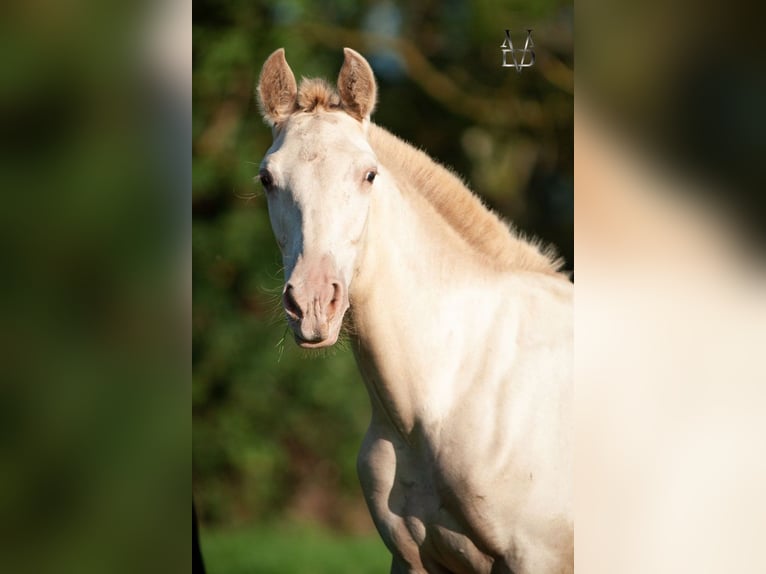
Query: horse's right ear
[[277, 90]]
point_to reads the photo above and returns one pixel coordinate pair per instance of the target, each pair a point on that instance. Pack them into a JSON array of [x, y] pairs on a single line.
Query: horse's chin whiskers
[[271, 295], [320, 353], [344, 341], [348, 327], [280, 346]]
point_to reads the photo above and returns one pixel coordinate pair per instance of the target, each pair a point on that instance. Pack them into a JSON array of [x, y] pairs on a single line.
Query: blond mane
[[483, 230]]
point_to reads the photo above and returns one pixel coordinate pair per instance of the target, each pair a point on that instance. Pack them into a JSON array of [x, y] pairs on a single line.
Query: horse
[[461, 330]]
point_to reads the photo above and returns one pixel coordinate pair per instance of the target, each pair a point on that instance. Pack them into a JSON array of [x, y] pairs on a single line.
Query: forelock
[[315, 94]]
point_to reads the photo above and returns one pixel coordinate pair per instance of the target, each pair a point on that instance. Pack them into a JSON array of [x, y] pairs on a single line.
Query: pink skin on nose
[[315, 300]]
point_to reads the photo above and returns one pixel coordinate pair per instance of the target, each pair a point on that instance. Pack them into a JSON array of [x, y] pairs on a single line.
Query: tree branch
[[506, 112]]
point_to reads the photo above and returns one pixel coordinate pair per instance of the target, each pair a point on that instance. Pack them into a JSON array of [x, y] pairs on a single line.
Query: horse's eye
[[266, 180], [370, 177]]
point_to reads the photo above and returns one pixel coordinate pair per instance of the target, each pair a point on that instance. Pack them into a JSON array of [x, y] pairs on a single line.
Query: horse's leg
[[399, 566], [500, 567]]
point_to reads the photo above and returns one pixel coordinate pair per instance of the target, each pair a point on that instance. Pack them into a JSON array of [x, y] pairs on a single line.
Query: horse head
[[318, 178]]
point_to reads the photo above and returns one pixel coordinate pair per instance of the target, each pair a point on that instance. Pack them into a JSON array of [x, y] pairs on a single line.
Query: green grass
[[292, 549]]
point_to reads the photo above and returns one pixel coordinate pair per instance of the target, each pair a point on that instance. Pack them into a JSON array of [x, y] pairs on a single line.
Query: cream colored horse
[[461, 330]]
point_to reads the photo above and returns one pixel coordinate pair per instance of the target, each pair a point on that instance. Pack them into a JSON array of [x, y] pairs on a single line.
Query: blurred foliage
[[293, 549], [276, 433], [94, 429]]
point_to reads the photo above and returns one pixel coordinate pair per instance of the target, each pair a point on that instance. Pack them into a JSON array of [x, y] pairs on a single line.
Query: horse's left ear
[[356, 85]]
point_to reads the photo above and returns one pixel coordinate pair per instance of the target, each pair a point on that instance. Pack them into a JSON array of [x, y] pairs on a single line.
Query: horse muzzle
[[315, 298]]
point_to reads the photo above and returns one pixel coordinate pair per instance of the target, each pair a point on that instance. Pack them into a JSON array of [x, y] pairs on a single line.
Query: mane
[[499, 244], [495, 240]]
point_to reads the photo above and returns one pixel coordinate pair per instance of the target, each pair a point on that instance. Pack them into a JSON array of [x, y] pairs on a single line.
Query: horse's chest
[[410, 501], [442, 541]]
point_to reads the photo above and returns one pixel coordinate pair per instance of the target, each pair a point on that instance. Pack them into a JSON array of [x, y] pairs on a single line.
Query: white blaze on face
[[319, 169]]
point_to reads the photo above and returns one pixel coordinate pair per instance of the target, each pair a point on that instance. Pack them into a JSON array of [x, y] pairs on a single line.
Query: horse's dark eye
[[370, 177], [266, 180]]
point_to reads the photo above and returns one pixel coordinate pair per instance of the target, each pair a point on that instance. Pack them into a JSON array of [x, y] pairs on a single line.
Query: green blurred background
[[276, 432]]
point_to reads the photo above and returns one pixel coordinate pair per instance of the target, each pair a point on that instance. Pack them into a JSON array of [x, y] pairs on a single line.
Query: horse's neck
[[411, 261]]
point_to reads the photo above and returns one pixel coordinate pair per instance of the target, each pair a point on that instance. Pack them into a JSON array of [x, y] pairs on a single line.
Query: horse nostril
[[335, 301], [291, 305]]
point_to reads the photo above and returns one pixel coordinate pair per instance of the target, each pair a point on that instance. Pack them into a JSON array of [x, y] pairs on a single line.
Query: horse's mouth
[[314, 343], [329, 341], [312, 334]]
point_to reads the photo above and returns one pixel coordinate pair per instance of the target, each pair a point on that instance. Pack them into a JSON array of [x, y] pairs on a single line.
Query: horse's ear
[[277, 90], [356, 85]]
